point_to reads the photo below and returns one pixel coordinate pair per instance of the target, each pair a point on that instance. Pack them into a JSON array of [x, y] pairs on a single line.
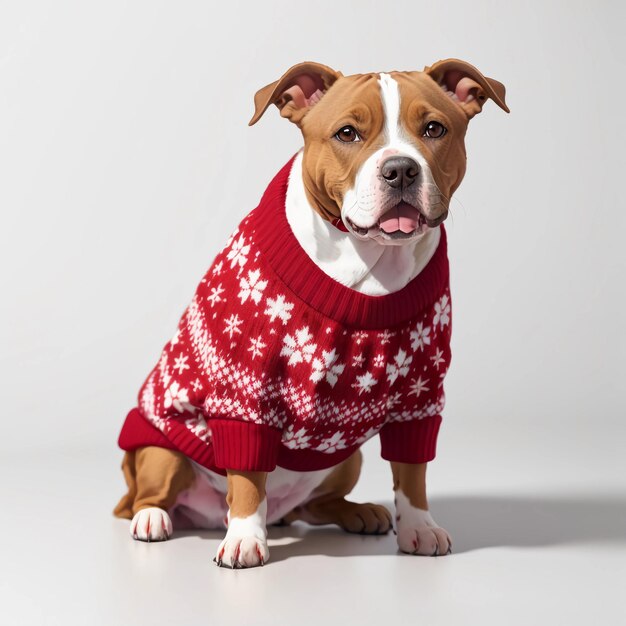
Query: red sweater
[[276, 363]]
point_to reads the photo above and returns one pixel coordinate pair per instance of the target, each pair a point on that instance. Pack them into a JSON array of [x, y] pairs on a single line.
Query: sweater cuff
[[244, 446], [414, 441]]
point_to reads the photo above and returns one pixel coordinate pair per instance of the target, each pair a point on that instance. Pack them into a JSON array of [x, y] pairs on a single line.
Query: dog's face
[[385, 152]]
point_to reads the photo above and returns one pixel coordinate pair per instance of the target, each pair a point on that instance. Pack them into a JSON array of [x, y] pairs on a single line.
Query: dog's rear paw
[[151, 524], [238, 552], [365, 519]]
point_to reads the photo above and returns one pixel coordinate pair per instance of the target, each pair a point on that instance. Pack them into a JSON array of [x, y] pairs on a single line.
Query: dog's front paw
[[237, 552], [245, 544], [151, 524], [417, 531], [424, 540]]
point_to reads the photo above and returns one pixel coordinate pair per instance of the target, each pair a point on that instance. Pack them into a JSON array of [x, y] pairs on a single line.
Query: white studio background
[[126, 160]]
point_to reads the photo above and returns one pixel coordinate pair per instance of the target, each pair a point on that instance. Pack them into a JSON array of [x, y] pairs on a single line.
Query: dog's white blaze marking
[[390, 94], [396, 137]]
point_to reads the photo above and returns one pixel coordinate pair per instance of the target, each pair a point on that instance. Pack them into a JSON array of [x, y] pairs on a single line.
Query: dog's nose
[[399, 172]]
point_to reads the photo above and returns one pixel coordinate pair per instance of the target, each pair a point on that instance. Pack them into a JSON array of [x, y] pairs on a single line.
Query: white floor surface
[[538, 555]]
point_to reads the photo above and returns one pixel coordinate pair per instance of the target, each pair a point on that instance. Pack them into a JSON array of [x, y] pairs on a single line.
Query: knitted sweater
[[276, 363]]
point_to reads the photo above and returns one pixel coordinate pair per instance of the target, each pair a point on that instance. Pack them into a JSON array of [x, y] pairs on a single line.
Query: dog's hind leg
[[327, 503], [155, 477]]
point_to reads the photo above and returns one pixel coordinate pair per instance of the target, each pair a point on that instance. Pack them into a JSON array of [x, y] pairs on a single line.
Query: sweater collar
[[297, 270]]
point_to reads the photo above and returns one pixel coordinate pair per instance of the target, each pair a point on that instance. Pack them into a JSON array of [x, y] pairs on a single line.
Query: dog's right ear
[[295, 92]]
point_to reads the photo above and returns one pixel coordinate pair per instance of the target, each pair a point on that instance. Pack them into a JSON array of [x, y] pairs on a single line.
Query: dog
[[324, 321]]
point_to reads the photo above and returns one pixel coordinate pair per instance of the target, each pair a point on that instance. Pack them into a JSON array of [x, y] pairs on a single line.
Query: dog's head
[[383, 151]]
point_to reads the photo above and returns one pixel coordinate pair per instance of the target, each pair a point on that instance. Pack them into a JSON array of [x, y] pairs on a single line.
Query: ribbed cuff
[[414, 441], [244, 446]]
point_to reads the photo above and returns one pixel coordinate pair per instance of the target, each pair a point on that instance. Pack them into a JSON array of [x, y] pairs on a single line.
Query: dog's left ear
[[296, 91], [466, 85]]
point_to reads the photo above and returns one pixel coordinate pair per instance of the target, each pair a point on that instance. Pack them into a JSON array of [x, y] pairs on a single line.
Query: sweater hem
[[138, 432], [243, 446]]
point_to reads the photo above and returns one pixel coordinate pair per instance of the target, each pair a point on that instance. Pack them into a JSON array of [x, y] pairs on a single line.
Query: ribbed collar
[[298, 271]]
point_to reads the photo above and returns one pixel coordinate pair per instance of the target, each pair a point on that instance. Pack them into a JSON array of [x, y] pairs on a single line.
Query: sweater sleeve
[[413, 441], [410, 432]]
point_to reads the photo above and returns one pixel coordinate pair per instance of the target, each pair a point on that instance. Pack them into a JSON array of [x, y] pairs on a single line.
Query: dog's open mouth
[[399, 222]]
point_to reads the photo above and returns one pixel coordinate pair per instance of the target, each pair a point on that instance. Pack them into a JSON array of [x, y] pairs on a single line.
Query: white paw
[[245, 544], [417, 531], [238, 552], [151, 524]]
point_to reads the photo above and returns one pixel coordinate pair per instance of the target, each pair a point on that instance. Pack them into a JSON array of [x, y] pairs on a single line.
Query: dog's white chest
[[365, 266]]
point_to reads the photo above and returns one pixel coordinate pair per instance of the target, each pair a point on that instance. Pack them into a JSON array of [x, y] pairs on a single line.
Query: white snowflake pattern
[[180, 363], [295, 439], [257, 346], [196, 385], [385, 336], [393, 399], [216, 294], [400, 367], [365, 382], [298, 348], [438, 358], [379, 360], [368, 435], [418, 387], [176, 396], [238, 253], [442, 311], [232, 325], [327, 368], [252, 287], [279, 308], [217, 268], [332, 444], [358, 360], [420, 337], [359, 336]]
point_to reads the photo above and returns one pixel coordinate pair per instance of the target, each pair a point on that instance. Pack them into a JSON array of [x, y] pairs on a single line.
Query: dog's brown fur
[[154, 477]]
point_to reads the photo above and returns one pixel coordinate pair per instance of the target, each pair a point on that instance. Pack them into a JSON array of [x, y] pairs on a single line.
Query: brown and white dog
[[408, 127]]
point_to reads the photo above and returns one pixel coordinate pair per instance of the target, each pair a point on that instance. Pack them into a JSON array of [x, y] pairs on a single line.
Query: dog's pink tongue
[[402, 217]]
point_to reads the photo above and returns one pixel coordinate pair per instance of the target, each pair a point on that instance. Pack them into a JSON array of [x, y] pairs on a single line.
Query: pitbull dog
[[383, 154]]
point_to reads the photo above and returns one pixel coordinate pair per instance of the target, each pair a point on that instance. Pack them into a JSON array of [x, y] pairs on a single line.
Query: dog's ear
[[466, 85], [295, 92]]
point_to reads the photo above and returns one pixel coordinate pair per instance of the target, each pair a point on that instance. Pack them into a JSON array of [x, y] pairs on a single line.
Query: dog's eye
[[435, 130], [347, 134]]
